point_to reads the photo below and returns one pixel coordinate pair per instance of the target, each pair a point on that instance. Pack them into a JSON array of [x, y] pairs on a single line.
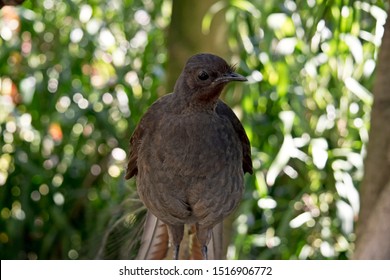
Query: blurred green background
[[76, 76]]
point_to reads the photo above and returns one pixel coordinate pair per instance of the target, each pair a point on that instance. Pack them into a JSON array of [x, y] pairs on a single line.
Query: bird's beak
[[229, 77]]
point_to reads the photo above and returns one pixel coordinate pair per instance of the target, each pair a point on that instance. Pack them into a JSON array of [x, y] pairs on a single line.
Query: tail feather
[[155, 239], [155, 242], [215, 247]]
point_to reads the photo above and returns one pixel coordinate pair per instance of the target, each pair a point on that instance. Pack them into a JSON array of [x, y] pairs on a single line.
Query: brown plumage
[[154, 242], [189, 152]]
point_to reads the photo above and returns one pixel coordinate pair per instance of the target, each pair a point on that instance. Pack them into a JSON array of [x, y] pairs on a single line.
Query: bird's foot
[[176, 250], [204, 252]]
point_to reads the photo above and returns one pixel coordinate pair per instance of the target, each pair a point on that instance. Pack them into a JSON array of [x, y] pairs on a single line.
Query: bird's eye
[[203, 75]]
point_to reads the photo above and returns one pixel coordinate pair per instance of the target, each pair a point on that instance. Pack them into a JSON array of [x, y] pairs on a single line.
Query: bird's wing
[[135, 141], [146, 125], [224, 110]]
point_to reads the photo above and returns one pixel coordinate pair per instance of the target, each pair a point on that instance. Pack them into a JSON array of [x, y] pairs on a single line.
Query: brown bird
[[189, 152]]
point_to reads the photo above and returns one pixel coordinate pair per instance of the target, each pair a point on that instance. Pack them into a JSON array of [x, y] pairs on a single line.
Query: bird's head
[[204, 77]]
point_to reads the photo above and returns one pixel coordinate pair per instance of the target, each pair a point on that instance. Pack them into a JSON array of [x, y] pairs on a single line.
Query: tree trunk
[[186, 38], [373, 241]]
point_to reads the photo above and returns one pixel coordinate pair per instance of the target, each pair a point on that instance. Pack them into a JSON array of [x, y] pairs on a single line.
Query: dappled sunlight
[[313, 74], [67, 90], [76, 78]]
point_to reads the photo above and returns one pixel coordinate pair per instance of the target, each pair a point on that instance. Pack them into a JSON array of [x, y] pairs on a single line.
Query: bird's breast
[[191, 166], [196, 144]]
